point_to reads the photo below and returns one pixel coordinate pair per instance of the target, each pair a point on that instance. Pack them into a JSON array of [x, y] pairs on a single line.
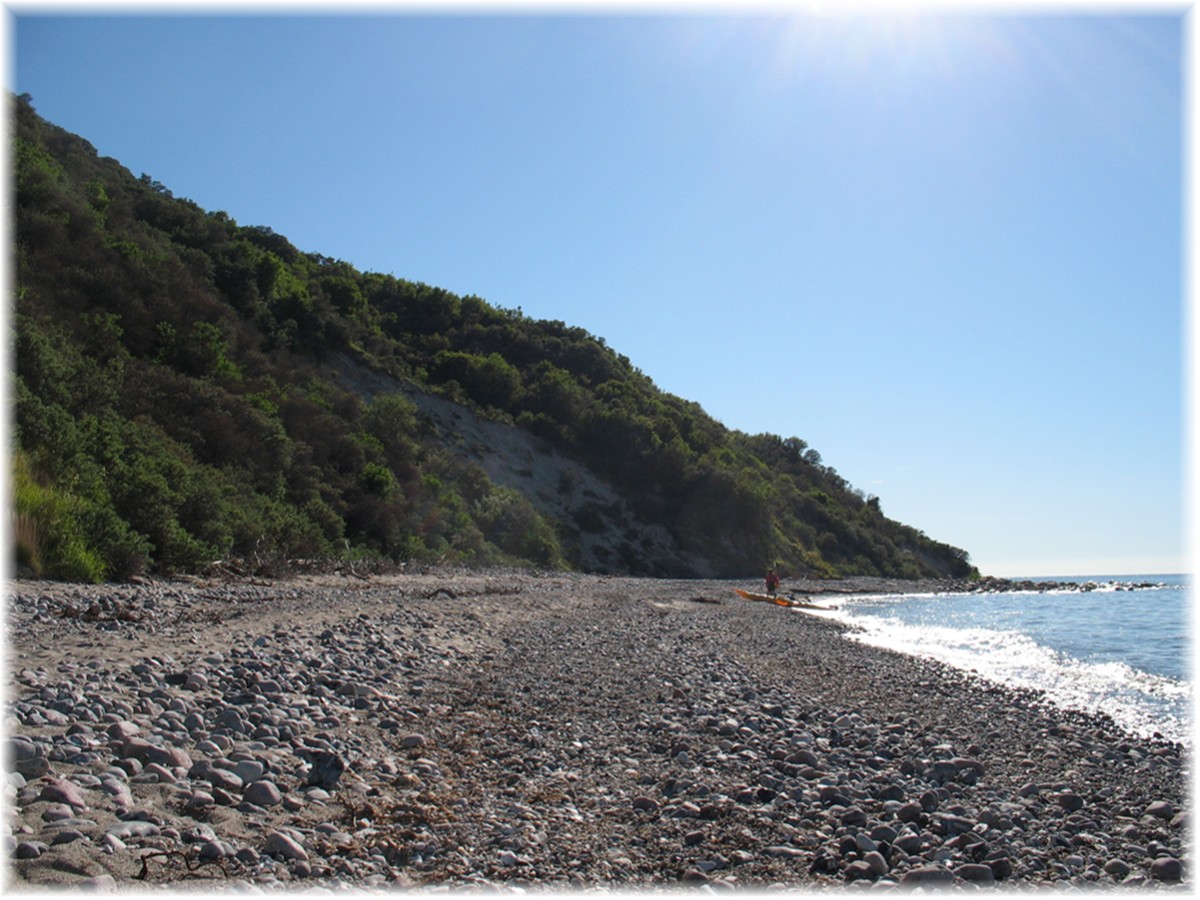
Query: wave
[[1139, 702]]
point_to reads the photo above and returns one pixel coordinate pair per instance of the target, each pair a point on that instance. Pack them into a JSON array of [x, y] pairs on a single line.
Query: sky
[[946, 250]]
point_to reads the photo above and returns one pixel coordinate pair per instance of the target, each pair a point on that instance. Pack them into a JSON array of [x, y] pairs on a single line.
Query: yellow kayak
[[781, 601]]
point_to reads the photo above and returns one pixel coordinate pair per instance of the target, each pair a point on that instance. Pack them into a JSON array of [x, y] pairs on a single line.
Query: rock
[[927, 875], [103, 882], [910, 811], [197, 681], [132, 829], [968, 764], [67, 836], [412, 740], [879, 865], [1160, 809], [977, 873], [1001, 865], [950, 825], [280, 844], [262, 793], [1117, 868], [853, 816], [645, 804], [216, 776], [783, 851], [942, 771], [1167, 869], [146, 753], [212, 850], [199, 800], [1070, 801], [858, 870], [30, 849], [884, 834], [249, 770], [56, 812], [32, 768], [62, 791], [17, 749], [327, 769]]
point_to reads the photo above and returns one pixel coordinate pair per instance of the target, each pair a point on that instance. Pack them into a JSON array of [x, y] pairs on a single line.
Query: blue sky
[[945, 251]]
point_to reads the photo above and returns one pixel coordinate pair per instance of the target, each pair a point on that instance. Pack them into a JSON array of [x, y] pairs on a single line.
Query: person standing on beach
[[772, 582]]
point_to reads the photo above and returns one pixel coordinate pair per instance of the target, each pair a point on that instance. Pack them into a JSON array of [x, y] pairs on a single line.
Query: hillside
[[190, 391]]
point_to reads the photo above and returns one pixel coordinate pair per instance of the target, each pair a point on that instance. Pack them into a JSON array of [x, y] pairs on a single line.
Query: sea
[[1122, 647]]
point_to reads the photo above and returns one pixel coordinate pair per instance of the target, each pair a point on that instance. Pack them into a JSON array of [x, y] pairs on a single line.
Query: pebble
[[263, 793], [283, 845]]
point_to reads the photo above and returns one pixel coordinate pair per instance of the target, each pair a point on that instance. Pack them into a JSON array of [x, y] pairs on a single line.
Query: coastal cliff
[[191, 392]]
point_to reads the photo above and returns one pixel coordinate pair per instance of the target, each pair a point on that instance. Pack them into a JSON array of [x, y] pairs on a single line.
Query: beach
[[449, 728]]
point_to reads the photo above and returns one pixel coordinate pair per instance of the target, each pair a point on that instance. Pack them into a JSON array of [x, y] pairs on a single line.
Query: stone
[[216, 776], [879, 865], [280, 844], [784, 851], [67, 836], [156, 774], [645, 804], [146, 752], [1117, 868], [249, 770], [200, 800], [865, 843], [327, 769], [412, 740], [197, 681], [56, 812], [927, 875], [132, 829], [1160, 809], [942, 771], [859, 870], [950, 825], [262, 793], [884, 834], [19, 749], [30, 849], [977, 873], [1000, 864], [909, 812], [62, 791], [968, 763], [1070, 801], [212, 850], [853, 816], [1167, 869], [105, 883]]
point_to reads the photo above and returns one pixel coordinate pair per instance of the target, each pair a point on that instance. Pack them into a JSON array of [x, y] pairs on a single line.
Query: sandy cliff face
[[591, 515]]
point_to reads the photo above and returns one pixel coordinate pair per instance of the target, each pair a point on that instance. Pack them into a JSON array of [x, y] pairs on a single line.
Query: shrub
[[49, 531]]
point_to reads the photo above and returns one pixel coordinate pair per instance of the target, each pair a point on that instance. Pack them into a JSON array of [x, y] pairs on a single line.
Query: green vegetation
[[176, 404]]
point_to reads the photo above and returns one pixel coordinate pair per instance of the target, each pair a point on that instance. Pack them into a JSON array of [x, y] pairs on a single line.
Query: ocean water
[[1124, 652]]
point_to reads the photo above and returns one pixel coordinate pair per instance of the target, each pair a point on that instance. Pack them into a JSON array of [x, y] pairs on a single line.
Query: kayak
[[782, 601]]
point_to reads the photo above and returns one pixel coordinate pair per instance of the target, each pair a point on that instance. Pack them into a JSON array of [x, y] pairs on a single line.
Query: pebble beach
[[451, 729]]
